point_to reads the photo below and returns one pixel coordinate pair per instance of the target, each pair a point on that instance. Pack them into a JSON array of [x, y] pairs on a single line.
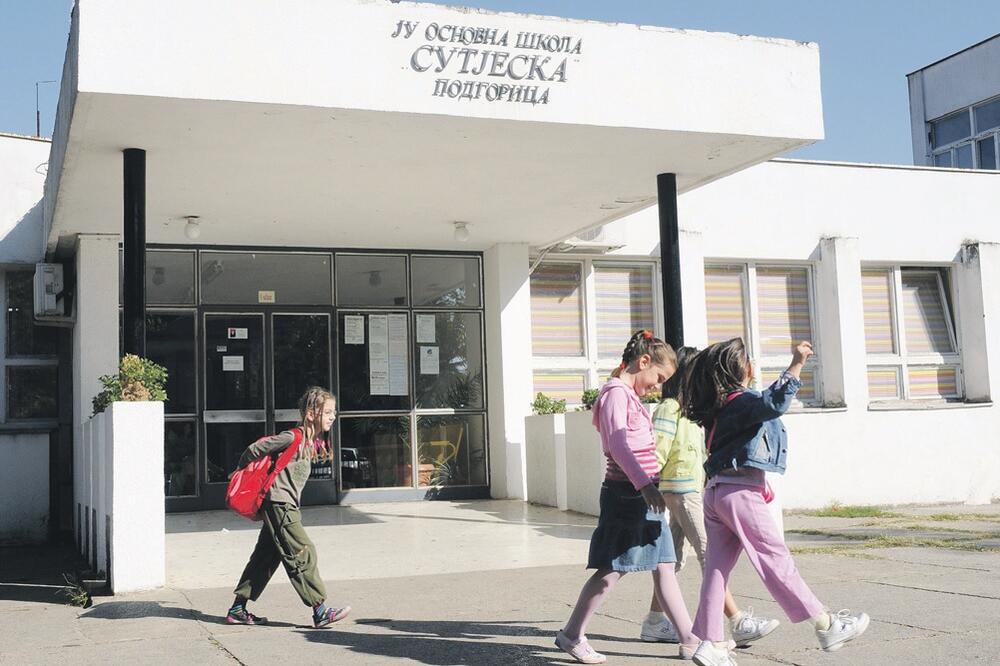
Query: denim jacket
[[748, 431]]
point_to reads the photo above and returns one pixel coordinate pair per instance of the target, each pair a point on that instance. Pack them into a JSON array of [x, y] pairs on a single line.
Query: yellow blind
[[724, 304], [624, 305], [556, 310], [783, 309], [924, 315], [566, 386], [875, 290]]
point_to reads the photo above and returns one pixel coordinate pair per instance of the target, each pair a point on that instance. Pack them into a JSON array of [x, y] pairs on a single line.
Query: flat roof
[[956, 53]]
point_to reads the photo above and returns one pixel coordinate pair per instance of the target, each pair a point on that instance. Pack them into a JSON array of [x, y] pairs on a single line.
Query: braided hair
[[714, 373], [642, 343]]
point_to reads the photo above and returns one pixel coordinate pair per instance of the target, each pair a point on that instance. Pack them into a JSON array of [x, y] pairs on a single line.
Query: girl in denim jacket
[[746, 439]]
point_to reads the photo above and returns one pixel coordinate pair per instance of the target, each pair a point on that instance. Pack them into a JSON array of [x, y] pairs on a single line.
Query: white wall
[[964, 79], [22, 177], [24, 488]]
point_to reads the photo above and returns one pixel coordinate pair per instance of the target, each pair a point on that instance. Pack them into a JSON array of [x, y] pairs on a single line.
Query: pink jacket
[[626, 434]]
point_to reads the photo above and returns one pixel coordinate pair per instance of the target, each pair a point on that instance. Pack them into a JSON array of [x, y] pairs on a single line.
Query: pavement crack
[[927, 589]]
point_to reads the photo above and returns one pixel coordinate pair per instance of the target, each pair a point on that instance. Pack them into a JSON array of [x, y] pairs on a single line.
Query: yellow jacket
[[680, 450]]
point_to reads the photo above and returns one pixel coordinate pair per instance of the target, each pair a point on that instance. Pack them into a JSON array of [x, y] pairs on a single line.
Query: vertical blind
[[556, 310], [624, 305]]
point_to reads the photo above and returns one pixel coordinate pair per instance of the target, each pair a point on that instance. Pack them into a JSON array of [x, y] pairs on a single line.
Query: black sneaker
[[330, 616], [243, 616]]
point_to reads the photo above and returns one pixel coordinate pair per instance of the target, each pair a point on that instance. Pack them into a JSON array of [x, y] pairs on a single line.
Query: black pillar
[[134, 251], [670, 259]]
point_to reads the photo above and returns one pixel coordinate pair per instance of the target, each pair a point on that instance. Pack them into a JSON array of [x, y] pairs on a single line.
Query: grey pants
[[687, 520]]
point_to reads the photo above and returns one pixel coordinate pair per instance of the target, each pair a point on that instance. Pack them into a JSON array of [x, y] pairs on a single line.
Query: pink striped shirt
[[626, 434]]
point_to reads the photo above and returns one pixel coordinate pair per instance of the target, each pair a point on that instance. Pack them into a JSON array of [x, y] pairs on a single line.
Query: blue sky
[[866, 46]]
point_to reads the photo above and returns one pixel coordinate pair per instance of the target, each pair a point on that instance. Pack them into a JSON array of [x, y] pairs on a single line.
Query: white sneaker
[[844, 627], [750, 628], [581, 650], [709, 655], [661, 632]]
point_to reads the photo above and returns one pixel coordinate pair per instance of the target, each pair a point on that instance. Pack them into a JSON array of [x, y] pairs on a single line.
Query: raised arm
[[777, 398]]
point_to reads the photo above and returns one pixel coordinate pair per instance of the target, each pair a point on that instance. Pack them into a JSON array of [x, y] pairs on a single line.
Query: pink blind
[[556, 310]]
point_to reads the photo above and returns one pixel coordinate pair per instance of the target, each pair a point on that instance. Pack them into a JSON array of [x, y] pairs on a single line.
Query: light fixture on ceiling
[[374, 278], [192, 230], [461, 231]]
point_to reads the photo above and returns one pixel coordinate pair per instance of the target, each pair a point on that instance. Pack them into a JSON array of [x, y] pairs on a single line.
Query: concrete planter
[[545, 454], [119, 495], [584, 464]]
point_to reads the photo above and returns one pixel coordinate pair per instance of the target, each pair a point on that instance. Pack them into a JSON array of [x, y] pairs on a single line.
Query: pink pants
[[737, 519]]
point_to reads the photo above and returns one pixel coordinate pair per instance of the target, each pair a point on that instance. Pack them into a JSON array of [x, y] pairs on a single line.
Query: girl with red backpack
[[282, 538]]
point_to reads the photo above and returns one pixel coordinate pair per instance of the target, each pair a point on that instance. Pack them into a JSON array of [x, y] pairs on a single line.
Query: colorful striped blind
[[783, 309], [556, 310], [624, 305], [560, 385], [876, 290], [933, 381], [924, 314], [808, 376], [724, 304], [883, 383]]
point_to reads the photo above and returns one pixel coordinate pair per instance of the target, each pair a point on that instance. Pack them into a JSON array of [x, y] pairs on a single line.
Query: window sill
[[923, 405], [27, 428], [817, 409]]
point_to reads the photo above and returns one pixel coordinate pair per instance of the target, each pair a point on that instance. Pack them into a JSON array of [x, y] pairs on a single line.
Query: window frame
[[593, 368], [20, 361], [901, 360], [751, 322], [976, 135]]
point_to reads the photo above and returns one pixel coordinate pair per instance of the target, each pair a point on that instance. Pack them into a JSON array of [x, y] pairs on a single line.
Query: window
[[770, 307], [910, 334], [582, 314], [28, 353], [967, 139]]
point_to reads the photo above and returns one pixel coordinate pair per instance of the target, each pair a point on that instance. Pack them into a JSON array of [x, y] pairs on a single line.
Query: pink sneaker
[[581, 650]]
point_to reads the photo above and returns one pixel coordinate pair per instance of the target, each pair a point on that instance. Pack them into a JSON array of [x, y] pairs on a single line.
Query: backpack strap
[[711, 435], [289, 453]]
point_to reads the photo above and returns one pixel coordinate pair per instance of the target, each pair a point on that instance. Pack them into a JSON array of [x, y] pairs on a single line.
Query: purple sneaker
[[330, 616], [243, 616]]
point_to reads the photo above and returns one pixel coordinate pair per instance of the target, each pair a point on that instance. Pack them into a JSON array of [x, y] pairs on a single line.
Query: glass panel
[[724, 304], [883, 383], [179, 462], [446, 281], [371, 279], [876, 293], [170, 341], [783, 309], [566, 386], [933, 382], [449, 372], [963, 156], [32, 392], [234, 362], [452, 450], [624, 305], [169, 278], [924, 315], [556, 310], [808, 376], [951, 129], [943, 159], [375, 452], [301, 356], [987, 116], [373, 377], [23, 337], [225, 443], [987, 153], [256, 277]]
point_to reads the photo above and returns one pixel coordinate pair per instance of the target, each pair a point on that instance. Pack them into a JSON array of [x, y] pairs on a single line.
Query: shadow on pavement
[[216, 521], [34, 574], [131, 610]]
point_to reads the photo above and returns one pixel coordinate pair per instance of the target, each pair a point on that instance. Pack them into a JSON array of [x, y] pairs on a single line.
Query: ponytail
[[642, 343]]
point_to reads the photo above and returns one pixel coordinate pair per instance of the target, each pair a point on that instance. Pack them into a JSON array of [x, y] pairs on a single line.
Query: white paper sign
[[398, 382], [378, 354], [425, 328], [232, 363], [237, 334], [430, 361], [354, 330]]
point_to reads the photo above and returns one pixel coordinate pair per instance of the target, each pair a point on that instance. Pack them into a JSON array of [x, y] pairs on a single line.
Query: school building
[[439, 212]]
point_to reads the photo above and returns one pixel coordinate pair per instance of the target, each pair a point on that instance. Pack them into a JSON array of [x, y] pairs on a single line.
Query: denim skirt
[[629, 537]]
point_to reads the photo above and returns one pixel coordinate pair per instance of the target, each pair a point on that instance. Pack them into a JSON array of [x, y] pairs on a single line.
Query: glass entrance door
[[256, 366]]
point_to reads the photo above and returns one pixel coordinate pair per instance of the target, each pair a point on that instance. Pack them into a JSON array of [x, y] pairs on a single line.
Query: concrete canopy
[[351, 123]]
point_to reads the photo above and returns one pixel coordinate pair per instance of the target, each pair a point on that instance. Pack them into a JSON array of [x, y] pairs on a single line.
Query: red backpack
[[250, 485]]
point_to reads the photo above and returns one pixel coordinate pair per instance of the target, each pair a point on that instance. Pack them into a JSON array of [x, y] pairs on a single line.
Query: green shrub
[[138, 379], [651, 397], [589, 398], [543, 404]]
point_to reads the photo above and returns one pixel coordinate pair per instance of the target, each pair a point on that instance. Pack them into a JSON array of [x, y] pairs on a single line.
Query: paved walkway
[[489, 582]]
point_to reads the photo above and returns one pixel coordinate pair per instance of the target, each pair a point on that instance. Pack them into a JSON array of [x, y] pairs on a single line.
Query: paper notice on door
[[266, 297], [378, 354], [238, 333], [430, 361], [354, 330], [398, 377], [425, 328], [232, 364]]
